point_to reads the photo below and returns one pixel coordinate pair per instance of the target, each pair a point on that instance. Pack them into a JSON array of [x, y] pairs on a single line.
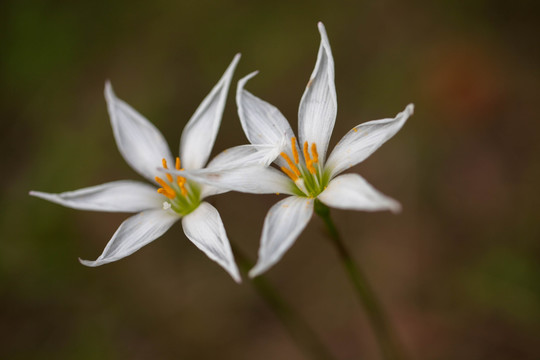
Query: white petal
[[243, 155], [207, 190], [205, 229], [134, 233], [363, 140], [116, 196], [254, 179], [353, 192], [200, 132], [282, 226], [318, 107], [140, 143], [263, 123]]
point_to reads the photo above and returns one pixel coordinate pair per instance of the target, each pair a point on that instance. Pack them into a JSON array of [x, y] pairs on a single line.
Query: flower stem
[[298, 328], [383, 331]]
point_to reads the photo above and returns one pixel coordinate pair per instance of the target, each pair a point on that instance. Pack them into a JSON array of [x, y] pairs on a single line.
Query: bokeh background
[[458, 270]]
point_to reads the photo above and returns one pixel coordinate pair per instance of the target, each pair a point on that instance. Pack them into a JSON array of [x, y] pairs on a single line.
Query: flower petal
[[254, 179], [207, 190], [205, 229], [282, 226], [133, 234], [140, 143], [318, 107], [200, 132], [363, 140], [353, 192], [243, 155], [116, 196], [262, 122]]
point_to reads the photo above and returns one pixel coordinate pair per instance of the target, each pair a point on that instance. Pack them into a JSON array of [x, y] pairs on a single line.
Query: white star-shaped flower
[[305, 173], [144, 148]]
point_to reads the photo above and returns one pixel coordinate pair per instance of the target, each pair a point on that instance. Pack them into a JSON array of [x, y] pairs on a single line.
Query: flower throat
[[308, 176], [183, 196]]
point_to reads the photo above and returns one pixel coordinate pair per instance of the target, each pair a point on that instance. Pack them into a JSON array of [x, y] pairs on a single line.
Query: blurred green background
[[458, 269]]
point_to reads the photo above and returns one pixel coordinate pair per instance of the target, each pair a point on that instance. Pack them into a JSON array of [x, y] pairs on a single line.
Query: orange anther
[[289, 173], [309, 165], [164, 192], [314, 153], [306, 152], [164, 162], [177, 163], [294, 150], [180, 181], [291, 164], [166, 186], [183, 187]]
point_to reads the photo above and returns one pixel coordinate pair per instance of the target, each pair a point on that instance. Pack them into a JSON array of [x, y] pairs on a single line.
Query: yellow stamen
[[294, 150], [291, 164], [164, 192], [314, 153], [166, 187], [164, 162], [183, 188], [306, 152], [292, 175], [309, 165], [309, 162], [180, 180]]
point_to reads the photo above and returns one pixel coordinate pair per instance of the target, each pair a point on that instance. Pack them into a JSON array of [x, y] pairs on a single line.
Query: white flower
[[144, 149], [305, 174]]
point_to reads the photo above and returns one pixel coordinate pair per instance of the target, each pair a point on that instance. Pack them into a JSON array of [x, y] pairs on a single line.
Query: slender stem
[[298, 328], [379, 322]]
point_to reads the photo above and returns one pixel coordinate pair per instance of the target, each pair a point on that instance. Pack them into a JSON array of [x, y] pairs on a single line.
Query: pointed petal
[[116, 196], [363, 140], [318, 107], [353, 192], [243, 155], [262, 122], [254, 179], [205, 229], [207, 190], [200, 132], [140, 143], [134, 233], [282, 226]]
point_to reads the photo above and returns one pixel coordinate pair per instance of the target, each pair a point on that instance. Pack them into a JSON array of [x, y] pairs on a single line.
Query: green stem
[[298, 328], [379, 322]]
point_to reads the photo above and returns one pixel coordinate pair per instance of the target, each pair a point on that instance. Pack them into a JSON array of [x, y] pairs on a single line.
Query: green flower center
[[182, 196], [308, 175]]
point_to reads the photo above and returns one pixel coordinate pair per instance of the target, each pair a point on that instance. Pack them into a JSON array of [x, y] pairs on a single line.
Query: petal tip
[[253, 273], [236, 277], [395, 207], [88, 263], [410, 109], [245, 79], [108, 87], [258, 269]]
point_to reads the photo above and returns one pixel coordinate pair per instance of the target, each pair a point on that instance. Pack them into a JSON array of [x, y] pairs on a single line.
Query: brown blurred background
[[458, 270]]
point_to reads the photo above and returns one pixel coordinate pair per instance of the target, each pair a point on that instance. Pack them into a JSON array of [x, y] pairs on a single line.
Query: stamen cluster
[[309, 176], [184, 196]]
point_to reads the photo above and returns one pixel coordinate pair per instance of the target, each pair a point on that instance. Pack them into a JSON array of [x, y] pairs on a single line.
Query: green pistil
[[314, 183]]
